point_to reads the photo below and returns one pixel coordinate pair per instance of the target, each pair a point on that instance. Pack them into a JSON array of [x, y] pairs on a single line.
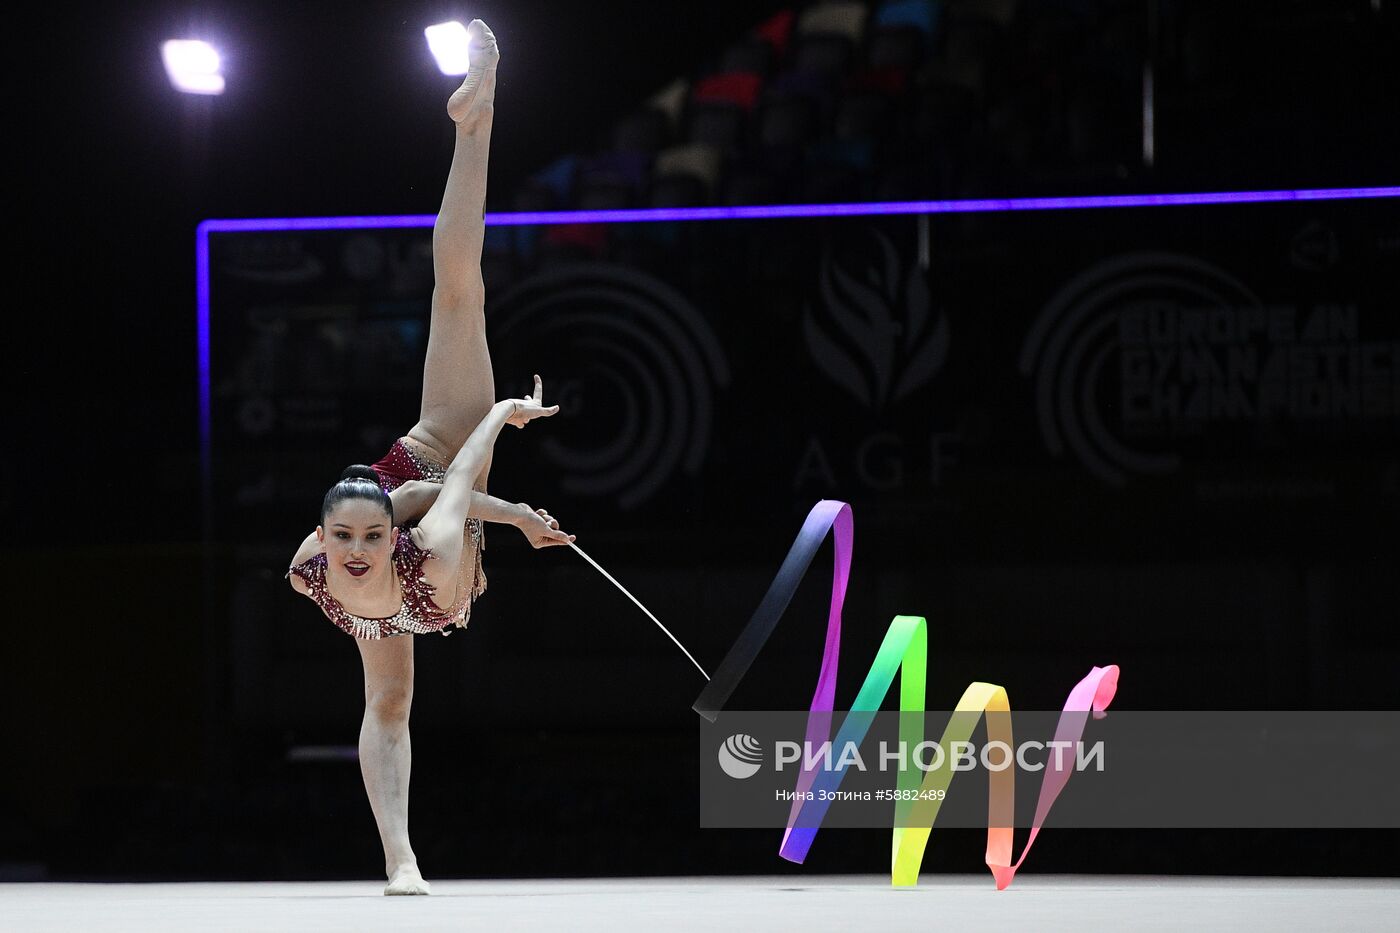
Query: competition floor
[[964, 903]]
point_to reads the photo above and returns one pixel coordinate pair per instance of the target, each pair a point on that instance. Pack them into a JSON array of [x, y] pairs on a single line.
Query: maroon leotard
[[419, 614]]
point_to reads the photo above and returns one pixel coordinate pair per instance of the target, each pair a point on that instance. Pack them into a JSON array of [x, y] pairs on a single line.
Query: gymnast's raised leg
[[458, 384]]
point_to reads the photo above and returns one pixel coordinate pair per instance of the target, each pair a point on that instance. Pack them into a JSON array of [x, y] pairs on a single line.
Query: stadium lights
[[193, 66], [448, 43]]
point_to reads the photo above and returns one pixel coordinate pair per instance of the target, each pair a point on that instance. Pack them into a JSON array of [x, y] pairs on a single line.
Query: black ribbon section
[[765, 618]]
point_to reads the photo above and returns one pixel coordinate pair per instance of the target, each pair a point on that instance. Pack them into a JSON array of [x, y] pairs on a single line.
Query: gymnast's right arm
[[308, 550]]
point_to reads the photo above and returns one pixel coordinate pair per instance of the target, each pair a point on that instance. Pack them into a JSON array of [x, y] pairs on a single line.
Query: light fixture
[[448, 43], [193, 66]]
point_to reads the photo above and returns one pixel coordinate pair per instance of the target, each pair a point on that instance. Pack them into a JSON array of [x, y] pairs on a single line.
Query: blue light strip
[[762, 212], [654, 215], [201, 288]]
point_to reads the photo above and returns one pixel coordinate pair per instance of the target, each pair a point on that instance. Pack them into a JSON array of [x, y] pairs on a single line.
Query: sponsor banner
[[1130, 769], [1102, 370]]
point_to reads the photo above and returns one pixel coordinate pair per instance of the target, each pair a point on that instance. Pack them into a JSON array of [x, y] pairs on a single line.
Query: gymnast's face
[[358, 539]]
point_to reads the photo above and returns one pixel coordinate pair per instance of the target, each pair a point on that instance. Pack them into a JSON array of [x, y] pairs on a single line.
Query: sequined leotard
[[419, 614]]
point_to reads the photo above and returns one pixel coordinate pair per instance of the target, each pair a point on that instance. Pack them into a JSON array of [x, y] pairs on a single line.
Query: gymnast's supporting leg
[[458, 384], [386, 756], [458, 391]]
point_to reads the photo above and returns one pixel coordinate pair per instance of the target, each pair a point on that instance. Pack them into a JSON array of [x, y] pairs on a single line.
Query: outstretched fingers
[[526, 409]]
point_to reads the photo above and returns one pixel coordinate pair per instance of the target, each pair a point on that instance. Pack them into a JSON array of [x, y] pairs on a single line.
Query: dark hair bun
[[357, 482], [359, 471]]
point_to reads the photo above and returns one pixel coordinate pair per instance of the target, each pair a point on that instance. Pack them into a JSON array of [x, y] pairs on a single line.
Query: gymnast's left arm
[[412, 500]]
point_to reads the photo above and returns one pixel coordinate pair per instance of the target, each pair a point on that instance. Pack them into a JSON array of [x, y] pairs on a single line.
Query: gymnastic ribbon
[[904, 650]]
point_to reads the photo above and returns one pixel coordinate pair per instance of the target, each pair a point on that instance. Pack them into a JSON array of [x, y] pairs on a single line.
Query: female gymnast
[[374, 574]]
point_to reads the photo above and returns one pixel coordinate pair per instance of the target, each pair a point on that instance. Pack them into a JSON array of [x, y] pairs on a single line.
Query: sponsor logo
[[874, 331], [1147, 352], [1077, 341]]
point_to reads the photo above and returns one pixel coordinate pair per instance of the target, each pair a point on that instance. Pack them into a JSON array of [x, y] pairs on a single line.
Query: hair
[[357, 482]]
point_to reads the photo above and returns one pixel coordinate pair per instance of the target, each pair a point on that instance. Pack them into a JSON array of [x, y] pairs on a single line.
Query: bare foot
[[478, 89], [407, 880]]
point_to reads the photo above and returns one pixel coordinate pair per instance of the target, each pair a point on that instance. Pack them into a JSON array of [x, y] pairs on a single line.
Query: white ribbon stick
[[641, 607]]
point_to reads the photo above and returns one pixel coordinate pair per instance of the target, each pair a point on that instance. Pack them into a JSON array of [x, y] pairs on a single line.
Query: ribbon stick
[[641, 607], [904, 651]]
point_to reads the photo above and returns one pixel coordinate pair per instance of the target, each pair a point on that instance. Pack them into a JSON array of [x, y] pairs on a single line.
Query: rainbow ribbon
[[904, 651]]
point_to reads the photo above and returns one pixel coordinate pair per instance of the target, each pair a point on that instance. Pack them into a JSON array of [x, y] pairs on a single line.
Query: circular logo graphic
[[1077, 341], [631, 356], [740, 756]]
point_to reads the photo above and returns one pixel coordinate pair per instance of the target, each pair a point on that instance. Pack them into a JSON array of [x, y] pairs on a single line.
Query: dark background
[[140, 744]]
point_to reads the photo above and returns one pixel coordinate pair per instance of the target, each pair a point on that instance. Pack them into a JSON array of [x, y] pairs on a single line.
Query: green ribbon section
[[904, 651]]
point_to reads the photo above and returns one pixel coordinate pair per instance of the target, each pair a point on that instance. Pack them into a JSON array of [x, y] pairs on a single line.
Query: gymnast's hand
[[540, 528], [524, 410]]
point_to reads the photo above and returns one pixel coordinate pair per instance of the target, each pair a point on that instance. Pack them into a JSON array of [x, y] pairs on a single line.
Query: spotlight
[[448, 43], [193, 66]]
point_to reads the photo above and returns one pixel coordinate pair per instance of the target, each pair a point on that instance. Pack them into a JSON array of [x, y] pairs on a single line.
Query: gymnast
[[372, 571]]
